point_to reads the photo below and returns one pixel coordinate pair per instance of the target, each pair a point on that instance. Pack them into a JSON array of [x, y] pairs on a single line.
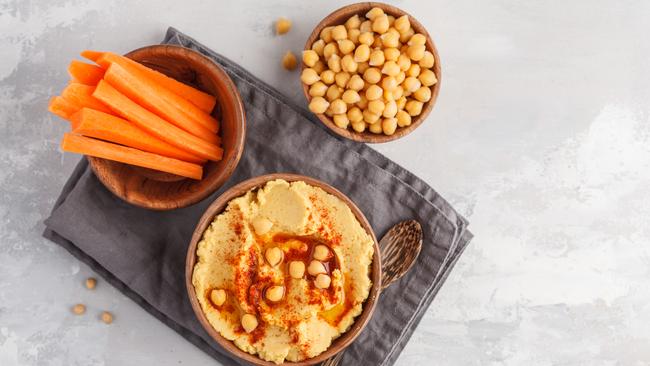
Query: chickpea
[[318, 105], [366, 26], [318, 47], [427, 78], [389, 83], [318, 89], [339, 32], [411, 84], [348, 64], [330, 49], [338, 106], [341, 79], [423, 94], [315, 267], [414, 70], [218, 296], [262, 225], [389, 125], [370, 117], [362, 53], [353, 22], [91, 283], [355, 83], [363, 103], [391, 20], [353, 35], [402, 24], [398, 92], [374, 92], [79, 309], [341, 121], [406, 35], [282, 26], [345, 46], [107, 317], [376, 106], [274, 255], [355, 115], [249, 322], [289, 61], [376, 128], [390, 109], [309, 76], [366, 38], [400, 77], [321, 252], [404, 62], [390, 68], [376, 58], [388, 95], [319, 67], [274, 293], [391, 54], [296, 269], [403, 118], [350, 96], [326, 34], [390, 39], [374, 12], [413, 107], [427, 60], [372, 75], [359, 126], [380, 24], [362, 67], [401, 102], [327, 76], [417, 39], [334, 63], [309, 57], [416, 52]]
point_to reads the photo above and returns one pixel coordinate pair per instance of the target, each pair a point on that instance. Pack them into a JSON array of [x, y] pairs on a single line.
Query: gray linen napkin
[[142, 252]]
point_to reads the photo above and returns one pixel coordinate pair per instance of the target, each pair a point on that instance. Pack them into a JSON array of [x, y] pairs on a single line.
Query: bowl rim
[[219, 205], [226, 172], [366, 136]]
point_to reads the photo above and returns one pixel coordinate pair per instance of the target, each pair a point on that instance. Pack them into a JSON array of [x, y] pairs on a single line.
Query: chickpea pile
[[373, 72]]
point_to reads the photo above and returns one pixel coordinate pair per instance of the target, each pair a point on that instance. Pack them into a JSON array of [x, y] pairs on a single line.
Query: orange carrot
[[141, 91], [89, 146], [82, 95], [91, 55], [91, 123], [155, 125], [84, 73], [202, 100], [61, 107]]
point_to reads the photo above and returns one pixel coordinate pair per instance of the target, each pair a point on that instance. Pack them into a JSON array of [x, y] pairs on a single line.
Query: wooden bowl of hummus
[[283, 268]]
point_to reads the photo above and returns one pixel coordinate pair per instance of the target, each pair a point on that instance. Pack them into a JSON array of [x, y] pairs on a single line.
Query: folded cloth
[[142, 252]]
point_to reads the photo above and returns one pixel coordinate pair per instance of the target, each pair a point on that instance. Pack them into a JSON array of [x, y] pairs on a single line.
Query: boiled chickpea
[[390, 68], [389, 83], [341, 121], [353, 22], [345, 46], [427, 78], [374, 92], [274, 256], [359, 126], [309, 76], [401, 102], [362, 53], [390, 109], [326, 34], [350, 96], [282, 26], [417, 39], [318, 89], [376, 58], [322, 281], [355, 115], [416, 52], [414, 70], [348, 64], [375, 128], [262, 225], [341, 79], [289, 61], [319, 66], [327, 76], [363, 103], [370, 117], [337, 106], [339, 32], [318, 105], [403, 118], [355, 83], [406, 35], [372, 75], [334, 63], [400, 77], [390, 39], [318, 47], [411, 84], [427, 60], [330, 49], [309, 57], [249, 322], [423, 94], [366, 26], [322, 252], [374, 12], [380, 24], [366, 38], [389, 125], [353, 35], [376, 106], [315, 267], [391, 54], [296, 269], [398, 92], [274, 293], [413, 107], [218, 296], [402, 24], [404, 62]]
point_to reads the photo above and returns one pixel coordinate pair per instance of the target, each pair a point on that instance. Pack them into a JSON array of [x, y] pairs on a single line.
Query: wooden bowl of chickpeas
[[370, 72]]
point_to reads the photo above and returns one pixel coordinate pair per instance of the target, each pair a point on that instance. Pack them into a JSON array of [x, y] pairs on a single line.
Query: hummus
[[283, 271]]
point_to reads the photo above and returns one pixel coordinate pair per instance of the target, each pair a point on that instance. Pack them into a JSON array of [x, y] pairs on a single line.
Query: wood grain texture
[[219, 205], [162, 191], [339, 17]]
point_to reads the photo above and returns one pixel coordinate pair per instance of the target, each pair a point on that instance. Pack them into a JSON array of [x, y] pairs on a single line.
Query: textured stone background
[[540, 136]]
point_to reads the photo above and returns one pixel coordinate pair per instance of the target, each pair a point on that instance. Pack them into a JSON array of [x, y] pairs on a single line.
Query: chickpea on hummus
[[283, 271]]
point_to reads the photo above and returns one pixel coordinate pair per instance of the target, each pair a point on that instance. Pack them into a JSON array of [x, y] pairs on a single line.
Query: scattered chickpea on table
[[372, 72]]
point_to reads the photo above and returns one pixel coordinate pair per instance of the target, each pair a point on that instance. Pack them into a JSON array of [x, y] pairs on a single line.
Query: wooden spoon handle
[[400, 248]]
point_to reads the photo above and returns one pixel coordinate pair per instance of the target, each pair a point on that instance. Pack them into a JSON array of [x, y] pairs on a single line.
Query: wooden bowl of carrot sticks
[[163, 127]]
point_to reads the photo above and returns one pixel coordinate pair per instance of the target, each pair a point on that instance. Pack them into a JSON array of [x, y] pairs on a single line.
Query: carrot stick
[[155, 125], [140, 90], [84, 73], [202, 100], [89, 146], [82, 95], [61, 107], [91, 55], [91, 123]]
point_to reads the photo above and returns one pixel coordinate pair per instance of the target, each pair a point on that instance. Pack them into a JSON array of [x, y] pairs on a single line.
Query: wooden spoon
[[400, 247]]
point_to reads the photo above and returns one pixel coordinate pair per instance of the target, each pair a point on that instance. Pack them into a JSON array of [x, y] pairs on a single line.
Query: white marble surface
[[541, 137]]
